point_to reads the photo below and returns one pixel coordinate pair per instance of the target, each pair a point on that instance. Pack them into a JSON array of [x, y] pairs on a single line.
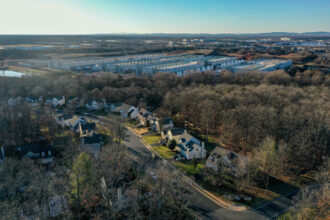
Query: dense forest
[[280, 120], [241, 109]]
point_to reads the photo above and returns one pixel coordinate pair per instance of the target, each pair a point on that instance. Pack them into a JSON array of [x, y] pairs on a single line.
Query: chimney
[[202, 149]]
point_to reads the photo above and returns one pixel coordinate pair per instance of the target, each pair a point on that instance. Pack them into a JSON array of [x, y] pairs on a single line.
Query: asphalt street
[[206, 208], [199, 203]]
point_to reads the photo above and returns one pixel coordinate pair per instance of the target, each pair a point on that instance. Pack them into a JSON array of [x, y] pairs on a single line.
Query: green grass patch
[[131, 123], [164, 152], [152, 139], [188, 167]]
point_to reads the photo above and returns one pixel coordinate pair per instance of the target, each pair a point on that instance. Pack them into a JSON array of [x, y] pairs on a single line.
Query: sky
[[162, 16]]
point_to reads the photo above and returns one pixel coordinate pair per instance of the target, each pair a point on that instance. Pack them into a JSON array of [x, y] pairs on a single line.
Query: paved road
[[201, 204]]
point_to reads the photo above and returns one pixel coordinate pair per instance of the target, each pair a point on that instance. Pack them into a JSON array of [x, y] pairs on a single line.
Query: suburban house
[[173, 131], [96, 105], [64, 119], [125, 111], [42, 151], [74, 123], [69, 120], [74, 102], [33, 100], [113, 106], [162, 124], [56, 101], [86, 128], [92, 144], [145, 117], [14, 101], [230, 162], [187, 145]]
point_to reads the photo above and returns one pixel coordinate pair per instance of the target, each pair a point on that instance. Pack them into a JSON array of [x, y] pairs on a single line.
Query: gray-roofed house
[[229, 161], [74, 123], [188, 146], [126, 111], [96, 105], [63, 119], [92, 144], [170, 133], [162, 124], [58, 101], [74, 102], [14, 101], [114, 105], [69, 120], [85, 128], [145, 116], [33, 100]]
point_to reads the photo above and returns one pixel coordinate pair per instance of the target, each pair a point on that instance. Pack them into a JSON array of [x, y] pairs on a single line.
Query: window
[[49, 153]]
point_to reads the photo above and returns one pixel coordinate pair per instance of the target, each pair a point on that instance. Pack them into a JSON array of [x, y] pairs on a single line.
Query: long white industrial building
[[153, 63], [147, 64], [262, 65]]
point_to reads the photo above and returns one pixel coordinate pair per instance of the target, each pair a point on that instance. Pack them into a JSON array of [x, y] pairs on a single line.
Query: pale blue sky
[[166, 16]]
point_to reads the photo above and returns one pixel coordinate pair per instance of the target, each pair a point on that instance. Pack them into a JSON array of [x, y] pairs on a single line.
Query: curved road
[[199, 203], [202, 205]]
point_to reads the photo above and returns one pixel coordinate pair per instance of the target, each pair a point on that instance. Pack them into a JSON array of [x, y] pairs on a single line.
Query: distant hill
[[271, 34]]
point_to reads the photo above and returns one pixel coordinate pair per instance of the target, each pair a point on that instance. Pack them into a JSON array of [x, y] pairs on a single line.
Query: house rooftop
[[94, 139], [87, 126], [177, 131], [123, 107]]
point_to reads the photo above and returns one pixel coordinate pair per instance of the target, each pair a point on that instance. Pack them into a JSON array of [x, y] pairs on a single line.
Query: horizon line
[[164, 33]]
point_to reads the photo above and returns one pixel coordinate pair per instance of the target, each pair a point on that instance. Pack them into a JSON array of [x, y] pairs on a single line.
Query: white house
[[69, 120], [145, 116], [188, 146], [162, 124], [14, 101], [127, 111], [96, 105], [74, 123], [58, 101]]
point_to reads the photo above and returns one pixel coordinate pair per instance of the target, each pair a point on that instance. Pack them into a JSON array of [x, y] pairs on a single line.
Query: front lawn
[[132, 123], [152, 139], [164, 152], [188, 167]]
